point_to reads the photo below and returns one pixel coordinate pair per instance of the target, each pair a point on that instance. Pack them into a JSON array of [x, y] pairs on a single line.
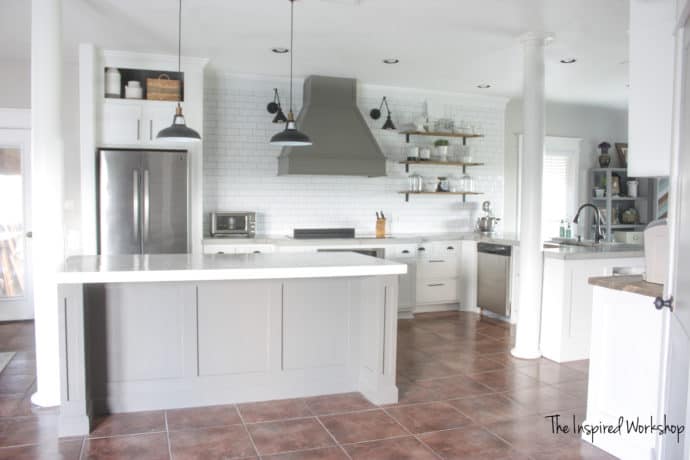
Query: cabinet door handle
[[138, 129], [436, 261], [220, 252], [421, 249], [406, 251], [436, 284], [257, 252], [450, 248], [150, 130]]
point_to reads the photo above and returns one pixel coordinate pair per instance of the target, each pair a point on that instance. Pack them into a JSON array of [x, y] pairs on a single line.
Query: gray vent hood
[[343, 144]]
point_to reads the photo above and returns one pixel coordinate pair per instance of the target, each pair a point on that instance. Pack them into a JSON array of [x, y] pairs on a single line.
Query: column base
[[525, 353], [40, 400]]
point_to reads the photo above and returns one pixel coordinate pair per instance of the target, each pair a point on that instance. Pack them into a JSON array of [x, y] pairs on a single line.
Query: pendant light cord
[[179, 37]]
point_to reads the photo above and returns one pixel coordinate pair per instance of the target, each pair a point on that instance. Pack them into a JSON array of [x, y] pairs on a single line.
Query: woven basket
[[163, 88]]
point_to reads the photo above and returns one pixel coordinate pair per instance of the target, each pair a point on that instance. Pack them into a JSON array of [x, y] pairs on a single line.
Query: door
[[16, 301], [674, 402], [164, 202], [157, 116], [119, 189]]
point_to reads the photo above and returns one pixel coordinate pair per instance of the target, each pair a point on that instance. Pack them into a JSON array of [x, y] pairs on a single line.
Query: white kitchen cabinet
[[566, 318], [650, 102], [407, 286], [438, 274], [628, 336], [121, 123], [134, 122]]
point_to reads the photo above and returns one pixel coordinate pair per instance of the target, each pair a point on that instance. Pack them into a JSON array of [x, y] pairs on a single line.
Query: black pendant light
[[376, 114], [179, 131], [291, 136]]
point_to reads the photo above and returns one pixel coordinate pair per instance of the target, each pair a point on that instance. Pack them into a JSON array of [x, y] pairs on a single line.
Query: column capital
[[540, 38]]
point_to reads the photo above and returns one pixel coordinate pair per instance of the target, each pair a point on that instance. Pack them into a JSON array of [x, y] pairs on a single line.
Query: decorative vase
[[604, 158]]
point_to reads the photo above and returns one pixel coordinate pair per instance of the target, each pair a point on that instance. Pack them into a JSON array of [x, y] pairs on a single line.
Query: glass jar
[[467, 183], [415, 183], [443, 184], [455, 182], [430, 184]]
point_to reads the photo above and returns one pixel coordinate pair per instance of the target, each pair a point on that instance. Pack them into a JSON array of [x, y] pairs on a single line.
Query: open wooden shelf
[[407, 134], [463, 194], [407, 164]]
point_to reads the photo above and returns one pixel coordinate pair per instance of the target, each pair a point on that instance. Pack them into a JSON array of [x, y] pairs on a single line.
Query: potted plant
[[442, 149]]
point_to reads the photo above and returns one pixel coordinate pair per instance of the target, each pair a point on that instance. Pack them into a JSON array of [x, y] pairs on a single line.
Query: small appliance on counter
[[233, 224], [656, 247], [487, 224]]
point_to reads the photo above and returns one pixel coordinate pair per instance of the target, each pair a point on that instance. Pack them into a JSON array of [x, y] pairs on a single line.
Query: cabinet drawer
[[219, 249], [401, 252], [437, 291], [431, 268]]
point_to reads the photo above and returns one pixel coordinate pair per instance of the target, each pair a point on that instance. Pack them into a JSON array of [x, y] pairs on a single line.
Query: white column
[[46, 190], [531, 261]]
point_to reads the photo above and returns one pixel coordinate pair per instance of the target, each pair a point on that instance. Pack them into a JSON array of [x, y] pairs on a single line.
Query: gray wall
[[590, 123]]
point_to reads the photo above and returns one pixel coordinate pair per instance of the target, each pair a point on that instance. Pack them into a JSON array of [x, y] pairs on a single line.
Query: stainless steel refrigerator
[[142, 202]]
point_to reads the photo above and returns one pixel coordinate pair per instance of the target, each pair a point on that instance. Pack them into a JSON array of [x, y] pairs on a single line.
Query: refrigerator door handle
[[135, 203], [147, 203]]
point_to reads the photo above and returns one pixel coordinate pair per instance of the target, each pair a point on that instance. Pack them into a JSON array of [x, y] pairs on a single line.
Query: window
[[559, 184], [557, 192]]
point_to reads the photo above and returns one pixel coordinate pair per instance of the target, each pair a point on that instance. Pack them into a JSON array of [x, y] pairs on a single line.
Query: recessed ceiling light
[[568, 61], [280, 50], [484, 86], [391, 61]]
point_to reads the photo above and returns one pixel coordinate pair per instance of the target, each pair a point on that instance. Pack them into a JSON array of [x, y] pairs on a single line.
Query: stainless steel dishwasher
[[493, 278]]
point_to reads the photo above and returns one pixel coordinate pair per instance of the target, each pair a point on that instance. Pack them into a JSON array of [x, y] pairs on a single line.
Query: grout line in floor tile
[[82, 450], [167, 434], [337, 443], [249, 434], [433, 452]]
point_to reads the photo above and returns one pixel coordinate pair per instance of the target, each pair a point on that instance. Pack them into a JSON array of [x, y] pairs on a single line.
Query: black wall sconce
[[274, 107], [376, 114]]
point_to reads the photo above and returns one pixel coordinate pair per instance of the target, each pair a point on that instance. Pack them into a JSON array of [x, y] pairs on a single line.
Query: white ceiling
[[448, 45]]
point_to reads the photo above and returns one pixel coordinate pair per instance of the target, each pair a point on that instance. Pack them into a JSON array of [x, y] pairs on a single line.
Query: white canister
[[413, 153], [113, 81], [632, 188], [425, 153]]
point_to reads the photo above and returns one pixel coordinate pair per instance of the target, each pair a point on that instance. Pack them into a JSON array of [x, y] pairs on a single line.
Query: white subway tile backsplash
[[240, 166]]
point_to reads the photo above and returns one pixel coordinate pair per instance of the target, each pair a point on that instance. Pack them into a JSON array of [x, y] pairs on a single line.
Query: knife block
[[380, 228]]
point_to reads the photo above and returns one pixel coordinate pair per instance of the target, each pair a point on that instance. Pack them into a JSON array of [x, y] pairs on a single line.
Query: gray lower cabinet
[[149, 346]]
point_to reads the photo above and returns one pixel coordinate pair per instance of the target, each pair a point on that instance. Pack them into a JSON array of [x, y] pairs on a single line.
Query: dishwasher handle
[[497, 249]]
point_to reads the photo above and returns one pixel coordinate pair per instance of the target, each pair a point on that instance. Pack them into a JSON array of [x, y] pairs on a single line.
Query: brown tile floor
[[462, 396]]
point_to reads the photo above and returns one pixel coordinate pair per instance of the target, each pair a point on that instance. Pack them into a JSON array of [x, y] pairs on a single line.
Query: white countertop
[[603, 252], [187, 267], [369, 240]]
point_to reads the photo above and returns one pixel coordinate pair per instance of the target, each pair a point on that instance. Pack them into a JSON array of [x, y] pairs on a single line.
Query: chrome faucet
[[598, 235]]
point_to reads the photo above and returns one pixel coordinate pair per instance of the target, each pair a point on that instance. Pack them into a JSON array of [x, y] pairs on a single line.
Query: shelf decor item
[[113, 81], [376, 114], [622, 149], [163, 88], [442, 149], [179, 131], [604, 157], [291, 136]]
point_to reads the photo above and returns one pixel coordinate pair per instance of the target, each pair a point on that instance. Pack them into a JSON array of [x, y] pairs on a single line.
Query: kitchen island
[[566, 320], [168, 331]]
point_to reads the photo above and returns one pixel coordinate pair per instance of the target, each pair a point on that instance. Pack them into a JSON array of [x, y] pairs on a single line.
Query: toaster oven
[[233, 224]]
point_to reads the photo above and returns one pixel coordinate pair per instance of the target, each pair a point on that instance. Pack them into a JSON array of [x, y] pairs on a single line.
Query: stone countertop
[[634, 283], [188, 267], [369, 240], [600, 252]]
